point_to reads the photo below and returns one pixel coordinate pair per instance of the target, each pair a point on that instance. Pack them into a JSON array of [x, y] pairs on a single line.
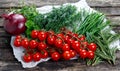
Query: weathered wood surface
[[111, 8], [98, 3]]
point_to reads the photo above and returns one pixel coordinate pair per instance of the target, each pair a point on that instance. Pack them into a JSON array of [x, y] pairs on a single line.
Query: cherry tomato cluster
[[61, 46]]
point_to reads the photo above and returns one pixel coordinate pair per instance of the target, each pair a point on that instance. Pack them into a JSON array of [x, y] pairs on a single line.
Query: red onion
[[14, 23]]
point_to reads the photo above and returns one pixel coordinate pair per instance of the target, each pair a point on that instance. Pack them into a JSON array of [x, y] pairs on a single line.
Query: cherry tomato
[[82, 38], [60, 35], [90, 54], [18, 37], [25, 43], [33, 44], [36, 56], [65, 47], [92, 46], [66, 38], [75, 35], [66, 55], [44, 54], [42, 46], [72, 53], [78, 50], [84, 44], [55, 56], [17, 42], [58, 43], [51, 39], [42, 35], [27, 58], [83, 54], [70, 41], [76, 45], [34, 34]]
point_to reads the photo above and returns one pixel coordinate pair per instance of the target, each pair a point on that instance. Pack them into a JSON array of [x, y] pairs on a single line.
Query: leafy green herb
[[104, 51], [60, 17]]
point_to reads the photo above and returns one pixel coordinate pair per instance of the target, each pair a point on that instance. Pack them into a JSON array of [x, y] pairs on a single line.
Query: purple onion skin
[[14, 24]]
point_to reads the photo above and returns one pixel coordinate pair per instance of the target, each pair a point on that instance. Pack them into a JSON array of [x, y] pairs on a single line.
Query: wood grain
[[109, 11], [100, 3], [104, 3], [7, 54]]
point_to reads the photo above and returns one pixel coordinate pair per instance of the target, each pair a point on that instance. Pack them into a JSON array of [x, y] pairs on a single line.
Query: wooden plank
[[3, 11], [3, 33], [117, 29], [115, 20], [5, 42], [6, 54], [1, 22], [16, 3], [109, 11], [104, 3]]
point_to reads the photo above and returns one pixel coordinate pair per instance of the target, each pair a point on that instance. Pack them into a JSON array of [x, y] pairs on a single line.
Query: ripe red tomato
[[76, 45], [34, 33], [42, 46], [36, 56], [66, 55], [17, 42], [51, 39], [60, 35], [84, 44], [18, 37], [44, 54], [90, 54], [33, 44], [55, 56], [58, 43], [78, 50], [65, 47], [42, 35], [70, 41], [66, 38], [92, 46], [27, 58], [82, 38], [25, 43], [72, 53], [83, 54], [75, 35]]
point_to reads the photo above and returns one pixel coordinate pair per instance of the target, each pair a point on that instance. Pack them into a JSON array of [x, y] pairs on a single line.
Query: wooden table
[[8, 63]]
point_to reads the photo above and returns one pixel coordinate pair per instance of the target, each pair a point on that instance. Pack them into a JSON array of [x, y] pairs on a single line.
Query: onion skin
[[14, 24]]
